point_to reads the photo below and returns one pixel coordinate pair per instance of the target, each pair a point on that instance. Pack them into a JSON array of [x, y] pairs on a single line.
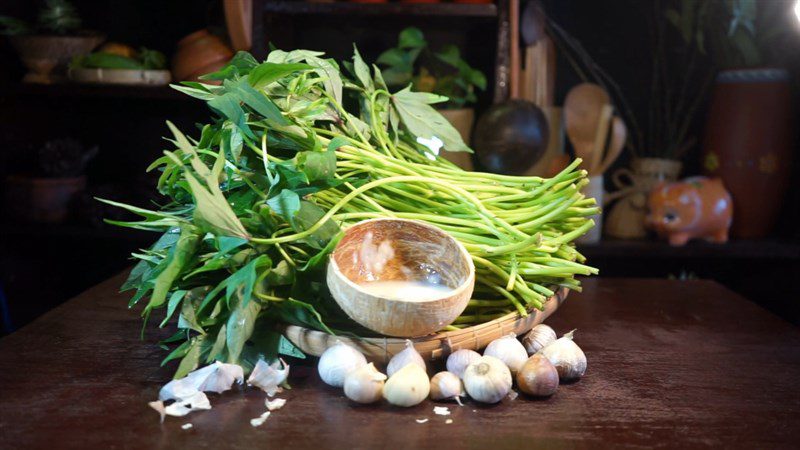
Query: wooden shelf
[[381, 9], [96, 91], [735, 249]]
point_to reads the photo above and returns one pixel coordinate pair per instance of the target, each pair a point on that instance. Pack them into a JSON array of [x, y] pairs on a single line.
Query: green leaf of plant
[[266, 73], [411, 37], [362, 71], [188, 318], [317, 165], [241, 282], [337, 142], [256, 100], [191, 360], [219, 345], [286, 204], [240, 327], [172, 305], [308, 215], [421, 120], [177, 260]]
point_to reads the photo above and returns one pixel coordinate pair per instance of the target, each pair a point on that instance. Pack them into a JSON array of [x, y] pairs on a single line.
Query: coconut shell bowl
[[399, 250]]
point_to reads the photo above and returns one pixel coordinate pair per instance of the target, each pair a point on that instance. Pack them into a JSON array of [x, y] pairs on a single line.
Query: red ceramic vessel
[[748, 145]]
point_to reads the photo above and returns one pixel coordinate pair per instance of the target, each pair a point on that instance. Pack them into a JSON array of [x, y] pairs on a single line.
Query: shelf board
[[380, 9], [99, 91], [734, 249]]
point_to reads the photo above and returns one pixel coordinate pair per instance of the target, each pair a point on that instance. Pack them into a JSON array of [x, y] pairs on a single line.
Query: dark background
[[41, 265]]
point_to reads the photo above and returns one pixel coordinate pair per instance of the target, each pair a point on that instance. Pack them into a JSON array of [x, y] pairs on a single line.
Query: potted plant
[[442, 72], [52, 41], [748, 130], [45, 195], [679, 61]]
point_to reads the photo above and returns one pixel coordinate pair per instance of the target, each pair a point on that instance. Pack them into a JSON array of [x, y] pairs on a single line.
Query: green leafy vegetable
[[298, 151]]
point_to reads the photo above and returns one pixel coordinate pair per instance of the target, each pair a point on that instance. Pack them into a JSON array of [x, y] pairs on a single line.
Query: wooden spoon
[[582, 109], [619, 135]]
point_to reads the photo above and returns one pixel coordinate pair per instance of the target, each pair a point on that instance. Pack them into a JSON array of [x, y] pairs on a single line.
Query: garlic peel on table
[[269, 377], [217, 377]]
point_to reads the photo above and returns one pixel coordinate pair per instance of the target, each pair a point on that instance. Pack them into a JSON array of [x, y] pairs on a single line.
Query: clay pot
[[748, 145], [42, 200], [41, 55], [462, 120], [626, 219], [198, 54]]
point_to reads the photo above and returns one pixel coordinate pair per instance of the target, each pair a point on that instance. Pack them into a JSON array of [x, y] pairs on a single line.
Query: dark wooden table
[[671, 364]]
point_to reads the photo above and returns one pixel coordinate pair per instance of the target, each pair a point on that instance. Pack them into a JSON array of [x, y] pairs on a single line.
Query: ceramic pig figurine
[[696, 207]]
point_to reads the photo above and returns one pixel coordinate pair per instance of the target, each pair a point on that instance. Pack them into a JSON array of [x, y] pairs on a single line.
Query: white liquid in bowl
[[410, 291]]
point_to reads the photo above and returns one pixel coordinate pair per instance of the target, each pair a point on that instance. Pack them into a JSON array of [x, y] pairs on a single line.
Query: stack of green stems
[[518, 230]]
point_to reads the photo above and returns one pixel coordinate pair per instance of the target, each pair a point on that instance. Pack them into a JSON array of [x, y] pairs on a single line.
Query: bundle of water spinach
[[300, 148]]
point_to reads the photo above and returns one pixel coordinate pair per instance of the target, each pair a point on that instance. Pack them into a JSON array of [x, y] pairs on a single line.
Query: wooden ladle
[[619, 135], [582, 111]]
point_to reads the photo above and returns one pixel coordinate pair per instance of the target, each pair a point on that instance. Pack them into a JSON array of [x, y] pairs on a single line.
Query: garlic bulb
[[408, 387], [408, 356], [446, 386], [487, 380], [538, 338], [458, 361], [569, 359], [364, 385], [538, 377], [509, 350], [337, 361]]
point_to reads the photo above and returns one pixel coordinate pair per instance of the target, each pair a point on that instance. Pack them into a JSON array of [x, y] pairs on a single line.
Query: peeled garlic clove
[[458, 361], [364, 385], [487, 380], [337, 361], [538, 377], [509, 350], [408, 356], [446, 386], [408, 387], [569, 359], [538, 338]]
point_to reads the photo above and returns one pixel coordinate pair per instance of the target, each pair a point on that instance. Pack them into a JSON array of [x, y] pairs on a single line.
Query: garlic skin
[[337, 361], [509, 350], [487, 380], [408, 387], [364, 385], [538, 338], [446, 386], [458, 361], [569, 359], [409, 355], [538, 377]]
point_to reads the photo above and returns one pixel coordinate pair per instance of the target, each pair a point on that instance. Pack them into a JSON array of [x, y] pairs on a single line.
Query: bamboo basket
[[432, 347]]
